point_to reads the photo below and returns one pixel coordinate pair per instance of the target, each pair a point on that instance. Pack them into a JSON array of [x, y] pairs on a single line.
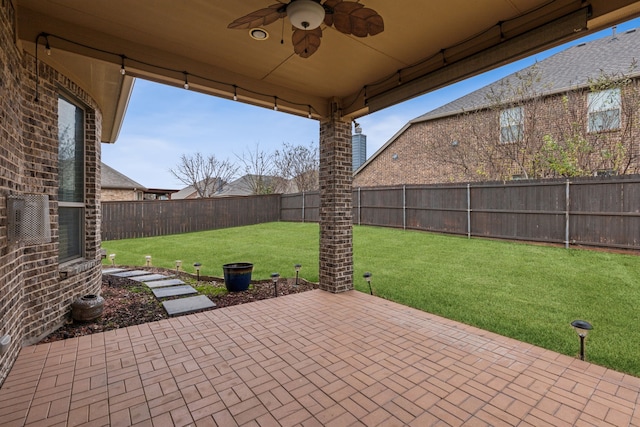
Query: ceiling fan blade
[[366, 22], [342, 15], [354, 18], [260, 17], [305, 43], [329, 7]]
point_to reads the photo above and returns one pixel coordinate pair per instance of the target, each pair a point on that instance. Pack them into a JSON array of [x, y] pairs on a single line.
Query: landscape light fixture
[[112, 257], [274, 278], [582, 328], [178, 265], [197, 266], [367, 277], [297, 267], [148, 258]]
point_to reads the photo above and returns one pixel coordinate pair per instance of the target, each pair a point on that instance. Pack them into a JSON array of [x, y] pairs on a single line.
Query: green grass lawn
[[527, 292]]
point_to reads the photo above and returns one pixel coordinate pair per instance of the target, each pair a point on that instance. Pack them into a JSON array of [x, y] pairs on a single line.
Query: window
[[70, 180], [604, 110], [511, 125]]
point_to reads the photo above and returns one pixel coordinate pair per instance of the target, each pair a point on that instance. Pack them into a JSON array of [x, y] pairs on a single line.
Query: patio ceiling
[[424, 46]]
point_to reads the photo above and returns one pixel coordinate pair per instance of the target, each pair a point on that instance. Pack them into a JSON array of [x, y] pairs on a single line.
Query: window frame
[[78, 207], [510, 118], [600, 104]]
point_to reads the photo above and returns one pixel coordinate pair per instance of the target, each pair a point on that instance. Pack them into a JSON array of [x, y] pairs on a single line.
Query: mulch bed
[[127, 302]]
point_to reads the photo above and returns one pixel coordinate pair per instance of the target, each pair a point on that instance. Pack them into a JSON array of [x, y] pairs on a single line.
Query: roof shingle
[[568, 69]]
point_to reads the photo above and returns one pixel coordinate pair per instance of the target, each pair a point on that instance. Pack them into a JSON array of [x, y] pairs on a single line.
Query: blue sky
[[163, 122]]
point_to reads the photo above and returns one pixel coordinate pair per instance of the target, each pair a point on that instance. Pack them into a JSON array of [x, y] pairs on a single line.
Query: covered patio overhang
[[424, 46]]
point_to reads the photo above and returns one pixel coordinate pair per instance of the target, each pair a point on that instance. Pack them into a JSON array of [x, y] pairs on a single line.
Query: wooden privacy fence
[[125, 220], [588, 211], [601, 212]]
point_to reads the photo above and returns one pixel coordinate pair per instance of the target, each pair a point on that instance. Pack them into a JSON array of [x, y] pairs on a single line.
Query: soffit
[[193, 36]]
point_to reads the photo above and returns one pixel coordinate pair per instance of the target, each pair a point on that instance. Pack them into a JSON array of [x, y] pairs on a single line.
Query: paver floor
[[310, 359]]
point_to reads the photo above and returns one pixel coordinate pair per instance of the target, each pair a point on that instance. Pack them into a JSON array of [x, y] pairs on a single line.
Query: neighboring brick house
[[118, 187], [548, 120], [51, 130]]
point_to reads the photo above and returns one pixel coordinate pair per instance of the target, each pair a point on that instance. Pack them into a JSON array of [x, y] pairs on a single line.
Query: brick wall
[[116, 195], [466, 148], [34, 297], [11, 164]]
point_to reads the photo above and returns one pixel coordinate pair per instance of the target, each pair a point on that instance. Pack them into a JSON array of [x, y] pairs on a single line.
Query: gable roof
[[111, 178], [243, 186], [190, 190], [184, 193], [569, 69]]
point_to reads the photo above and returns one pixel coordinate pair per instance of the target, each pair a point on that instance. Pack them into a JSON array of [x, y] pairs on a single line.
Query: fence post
[[404, 207], [468, 211], [359, 207], [566, 215], [303, 206]]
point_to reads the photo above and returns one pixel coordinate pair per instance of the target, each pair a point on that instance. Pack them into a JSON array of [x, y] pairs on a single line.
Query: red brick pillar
[[336, 233]]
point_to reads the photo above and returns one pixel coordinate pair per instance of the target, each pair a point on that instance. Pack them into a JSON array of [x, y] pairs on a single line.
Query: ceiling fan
[[348, 17]]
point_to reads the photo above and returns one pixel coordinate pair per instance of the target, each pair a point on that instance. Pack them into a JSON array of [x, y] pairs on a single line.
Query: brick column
[[336, 233]]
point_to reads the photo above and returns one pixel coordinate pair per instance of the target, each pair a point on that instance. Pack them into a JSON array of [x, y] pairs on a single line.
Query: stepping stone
[[174, 291], [149, 277], [112, 270], [162, 283], [131, 273], [187, 305]]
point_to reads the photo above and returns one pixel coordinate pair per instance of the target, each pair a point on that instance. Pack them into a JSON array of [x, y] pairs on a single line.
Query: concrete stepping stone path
[[112, 270], [148, 277], [162, 283], [164, 286], [187, 305], [173, 291], [130, 273]]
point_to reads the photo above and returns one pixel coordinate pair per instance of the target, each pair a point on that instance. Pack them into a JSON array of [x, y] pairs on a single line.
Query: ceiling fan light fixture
[[305, 14]]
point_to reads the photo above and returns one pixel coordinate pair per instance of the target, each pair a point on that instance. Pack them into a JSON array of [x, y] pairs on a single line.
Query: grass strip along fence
[[523, 291]]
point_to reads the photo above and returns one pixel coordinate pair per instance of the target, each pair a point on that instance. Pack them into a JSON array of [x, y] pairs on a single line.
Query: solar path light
[[112, 257], [274, 278], [178, 265], [367, 277], [197, 266], [148, 259], [582, 328], [297, 267]]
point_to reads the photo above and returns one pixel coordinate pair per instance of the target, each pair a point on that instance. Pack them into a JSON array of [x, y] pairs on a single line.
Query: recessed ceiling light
[[258, 34]]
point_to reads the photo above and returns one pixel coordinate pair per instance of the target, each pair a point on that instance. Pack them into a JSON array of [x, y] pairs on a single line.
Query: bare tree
[[207, 176], [260, 175], [600, 139], [298, 164], [523, 132]]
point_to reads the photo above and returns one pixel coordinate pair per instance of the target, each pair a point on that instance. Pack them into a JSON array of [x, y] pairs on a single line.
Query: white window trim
[[604, 101], [510, 118], [80, 205]]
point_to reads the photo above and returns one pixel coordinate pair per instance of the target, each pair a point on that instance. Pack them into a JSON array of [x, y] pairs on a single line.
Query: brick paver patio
[[310, 359]]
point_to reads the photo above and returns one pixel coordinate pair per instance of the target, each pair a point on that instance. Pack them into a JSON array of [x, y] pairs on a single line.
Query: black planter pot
[[237, 276], [87, 307]]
